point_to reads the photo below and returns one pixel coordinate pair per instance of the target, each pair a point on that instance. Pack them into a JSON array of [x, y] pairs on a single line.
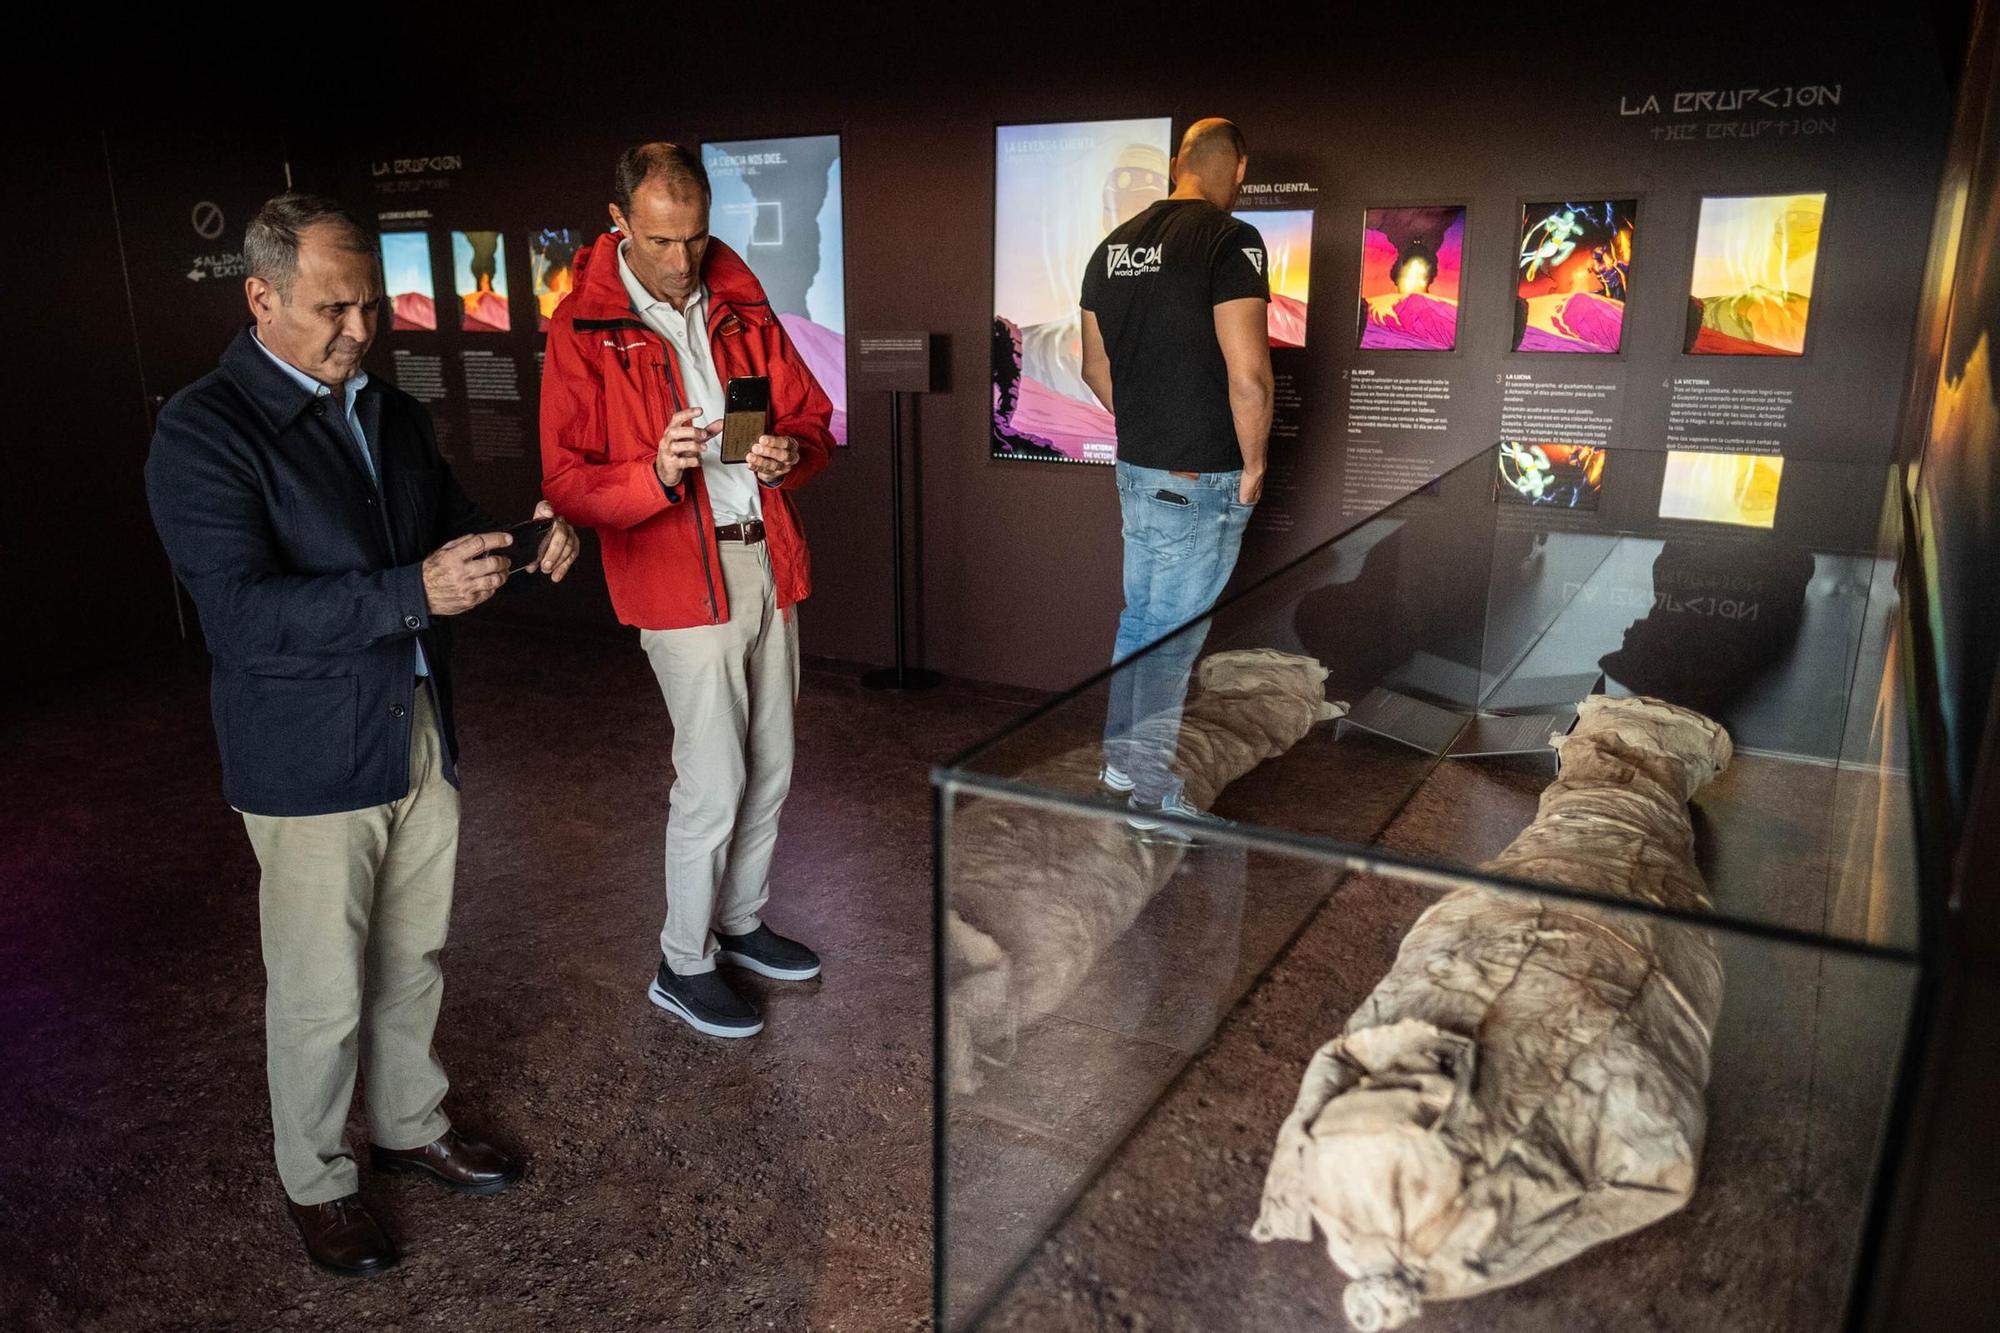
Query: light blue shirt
[[351, 391]]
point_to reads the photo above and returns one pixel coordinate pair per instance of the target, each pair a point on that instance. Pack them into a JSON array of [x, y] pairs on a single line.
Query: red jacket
[[609, 384]]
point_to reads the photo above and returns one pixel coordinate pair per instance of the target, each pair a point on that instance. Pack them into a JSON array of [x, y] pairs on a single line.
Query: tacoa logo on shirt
[[1124, 261], [1256, 258]]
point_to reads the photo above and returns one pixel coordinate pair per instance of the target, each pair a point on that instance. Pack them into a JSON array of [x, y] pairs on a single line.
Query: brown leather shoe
[[343, 1236], [467, 1165]]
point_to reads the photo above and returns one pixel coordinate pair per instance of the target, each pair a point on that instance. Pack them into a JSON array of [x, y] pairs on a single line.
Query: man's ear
[[263, 299], [1173, 171], [618, 220], [1242, 166]]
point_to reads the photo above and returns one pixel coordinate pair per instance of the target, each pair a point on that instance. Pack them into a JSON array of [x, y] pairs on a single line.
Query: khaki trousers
[[730, 690], [354, 908]]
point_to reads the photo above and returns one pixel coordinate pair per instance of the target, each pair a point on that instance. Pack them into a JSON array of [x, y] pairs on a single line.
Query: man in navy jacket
[[326, 544]]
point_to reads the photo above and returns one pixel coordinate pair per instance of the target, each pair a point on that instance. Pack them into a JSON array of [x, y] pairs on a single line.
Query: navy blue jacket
[[309, 584]]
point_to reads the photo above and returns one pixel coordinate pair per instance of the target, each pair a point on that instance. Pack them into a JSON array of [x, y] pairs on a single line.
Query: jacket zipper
[[700, 537]]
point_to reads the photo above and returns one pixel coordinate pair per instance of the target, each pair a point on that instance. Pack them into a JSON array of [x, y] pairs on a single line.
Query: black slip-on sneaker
[[767, 953], [705, 1003], [1146, 819]]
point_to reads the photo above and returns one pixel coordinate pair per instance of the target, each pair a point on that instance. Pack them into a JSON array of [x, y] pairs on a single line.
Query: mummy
[[1036, 897], [1528, 1079]]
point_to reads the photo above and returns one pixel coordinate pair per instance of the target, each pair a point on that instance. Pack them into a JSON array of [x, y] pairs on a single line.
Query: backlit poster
[[1550, 476], [777, 204], [552, 268], [1754, 262], [479, 278], [406, 276], [1287, 237], [1740, 489], [1573, 269], [1057, 191], [1410, 260]]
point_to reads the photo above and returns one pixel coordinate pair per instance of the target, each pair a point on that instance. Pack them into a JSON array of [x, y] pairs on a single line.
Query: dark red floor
[[675, 1181]]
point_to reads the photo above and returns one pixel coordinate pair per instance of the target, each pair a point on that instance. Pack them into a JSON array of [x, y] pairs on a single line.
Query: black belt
[[749, 532]]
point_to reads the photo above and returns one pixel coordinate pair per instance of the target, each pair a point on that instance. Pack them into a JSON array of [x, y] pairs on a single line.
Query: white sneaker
[[1115, 780]]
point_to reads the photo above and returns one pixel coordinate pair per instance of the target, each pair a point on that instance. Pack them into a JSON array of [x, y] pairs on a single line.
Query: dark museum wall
[[85, 579], [1019, 580], [1019, 576]]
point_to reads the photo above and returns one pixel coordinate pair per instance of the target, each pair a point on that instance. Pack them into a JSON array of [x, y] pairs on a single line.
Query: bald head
[[1211, 162]]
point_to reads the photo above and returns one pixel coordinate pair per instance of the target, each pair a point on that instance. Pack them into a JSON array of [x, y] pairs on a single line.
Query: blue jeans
[[1182, 536]]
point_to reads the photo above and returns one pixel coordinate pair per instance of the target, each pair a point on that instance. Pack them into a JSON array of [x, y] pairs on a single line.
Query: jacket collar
[[280, 398], [600, 293]]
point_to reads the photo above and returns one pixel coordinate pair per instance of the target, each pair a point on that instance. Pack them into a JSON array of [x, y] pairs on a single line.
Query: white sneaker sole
[[681, 1011], [763, 969]]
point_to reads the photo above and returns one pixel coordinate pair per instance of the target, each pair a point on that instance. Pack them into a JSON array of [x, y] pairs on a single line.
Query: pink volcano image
[[1572, 322], [479, 276], [1287, 268], [1416, 322], [406, 273], [414, 310], [825, 355], [1080, 432], [486, 312], [1288, 321], [1410, 261]]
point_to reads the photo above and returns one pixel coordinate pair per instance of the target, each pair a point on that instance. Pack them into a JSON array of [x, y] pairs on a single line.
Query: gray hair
[[271, 243]]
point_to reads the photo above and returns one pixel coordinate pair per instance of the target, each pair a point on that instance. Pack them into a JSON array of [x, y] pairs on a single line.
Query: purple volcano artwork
[[1410, 263]]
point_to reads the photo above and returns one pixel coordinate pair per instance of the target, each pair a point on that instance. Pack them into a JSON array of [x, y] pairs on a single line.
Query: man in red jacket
[[707, 559]]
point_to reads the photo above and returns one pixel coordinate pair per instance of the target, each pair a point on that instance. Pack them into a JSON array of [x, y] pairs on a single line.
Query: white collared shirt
[[732, 487]]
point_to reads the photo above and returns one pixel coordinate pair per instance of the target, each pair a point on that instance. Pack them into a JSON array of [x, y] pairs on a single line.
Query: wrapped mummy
[[1036, 898], [1528, 1079]]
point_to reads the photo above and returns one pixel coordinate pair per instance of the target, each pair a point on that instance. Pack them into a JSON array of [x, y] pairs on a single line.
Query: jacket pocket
[[415, 496], [639, 397], [294, 734]]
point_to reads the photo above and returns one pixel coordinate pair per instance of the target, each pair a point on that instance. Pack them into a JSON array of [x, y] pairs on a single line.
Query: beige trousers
[[730, 690], [354, 908]]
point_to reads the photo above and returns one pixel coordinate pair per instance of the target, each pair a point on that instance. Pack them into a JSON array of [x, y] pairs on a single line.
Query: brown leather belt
[[749, 533]]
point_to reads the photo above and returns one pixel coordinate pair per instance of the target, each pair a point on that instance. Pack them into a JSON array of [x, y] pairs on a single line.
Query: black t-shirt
[[1154, 284]]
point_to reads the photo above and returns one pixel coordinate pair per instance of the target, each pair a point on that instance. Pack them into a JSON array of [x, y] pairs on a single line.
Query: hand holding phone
[[524, 544], [746, 415]]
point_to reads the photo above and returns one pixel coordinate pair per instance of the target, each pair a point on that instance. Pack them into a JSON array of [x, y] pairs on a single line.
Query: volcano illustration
[[1288, 321], [486, 310], [1569, 322], [1413, 320], [1754, 322], [414, 310]]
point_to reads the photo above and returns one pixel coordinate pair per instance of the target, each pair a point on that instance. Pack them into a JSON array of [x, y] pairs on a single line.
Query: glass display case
[[1130, 1006]]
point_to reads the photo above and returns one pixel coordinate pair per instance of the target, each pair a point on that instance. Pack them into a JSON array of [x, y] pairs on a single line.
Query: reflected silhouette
[[1723, 615]]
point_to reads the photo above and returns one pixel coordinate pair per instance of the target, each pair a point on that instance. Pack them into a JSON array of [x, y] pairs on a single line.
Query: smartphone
[[525, 543], [746, 414]]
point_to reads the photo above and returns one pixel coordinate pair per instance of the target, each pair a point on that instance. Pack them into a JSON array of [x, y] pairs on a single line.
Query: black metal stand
[[901, 676]]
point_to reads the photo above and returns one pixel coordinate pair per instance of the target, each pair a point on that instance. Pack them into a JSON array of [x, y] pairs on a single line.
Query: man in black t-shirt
[[1175, 304]]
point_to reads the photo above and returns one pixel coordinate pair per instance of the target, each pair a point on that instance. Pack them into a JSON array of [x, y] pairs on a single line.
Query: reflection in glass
[[1106, 1084]]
